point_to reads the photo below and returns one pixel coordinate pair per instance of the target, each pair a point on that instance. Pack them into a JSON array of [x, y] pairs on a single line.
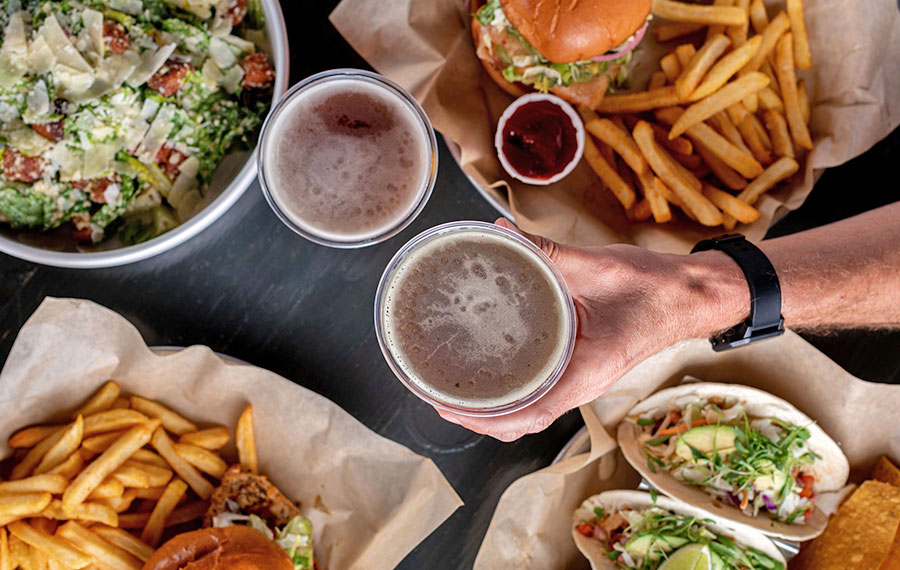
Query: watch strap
[[765, 319]]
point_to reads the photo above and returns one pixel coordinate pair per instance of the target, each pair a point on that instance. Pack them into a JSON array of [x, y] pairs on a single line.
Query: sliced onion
[[769, 504], [626, 48]]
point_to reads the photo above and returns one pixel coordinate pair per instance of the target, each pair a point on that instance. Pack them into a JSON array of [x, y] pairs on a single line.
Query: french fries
[[29, 437], [798, 28], [101, 401], [699, 14], [170, 420], [787, 81], [45, 483], [668, 32], [49, 545], [125, 541], [781, 169], [73, 488], [700, 64], [725, 109], [725, 68], [637, 102], [185, 470], [245, 440], [63, 448], [673, 175], [152, 532], [101, 552], [203, 459], [732, 93], [110, 460]]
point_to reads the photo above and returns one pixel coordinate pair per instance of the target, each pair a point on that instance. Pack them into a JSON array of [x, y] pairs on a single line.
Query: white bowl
[[579, 137], [236, 173]]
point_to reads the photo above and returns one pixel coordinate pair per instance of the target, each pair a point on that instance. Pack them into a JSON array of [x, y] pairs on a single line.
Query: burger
[[578, 49], [250, 525]]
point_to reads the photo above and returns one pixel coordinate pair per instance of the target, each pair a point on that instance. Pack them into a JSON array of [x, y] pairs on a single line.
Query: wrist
[[711, 293]]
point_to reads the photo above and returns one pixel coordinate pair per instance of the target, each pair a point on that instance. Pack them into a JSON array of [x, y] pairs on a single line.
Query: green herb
[[598, 512], [645, 422]]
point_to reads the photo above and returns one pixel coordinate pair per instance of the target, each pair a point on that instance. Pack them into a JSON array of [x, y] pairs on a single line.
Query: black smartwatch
[[765, 292]]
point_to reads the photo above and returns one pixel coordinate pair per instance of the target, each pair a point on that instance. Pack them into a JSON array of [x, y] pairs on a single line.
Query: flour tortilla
[[612, 501], [830, 472]]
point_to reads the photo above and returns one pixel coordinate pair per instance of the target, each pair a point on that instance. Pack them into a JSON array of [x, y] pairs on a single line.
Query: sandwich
[[250, 525], [741, 452], [635, 530], [576, 49]]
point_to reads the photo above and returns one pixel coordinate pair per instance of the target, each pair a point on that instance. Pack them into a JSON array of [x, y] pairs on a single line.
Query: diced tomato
[[585, 529], [809, 513], [806, 481]]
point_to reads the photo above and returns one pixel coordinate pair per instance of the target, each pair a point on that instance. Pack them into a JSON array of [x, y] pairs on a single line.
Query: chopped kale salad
[[114, 114]]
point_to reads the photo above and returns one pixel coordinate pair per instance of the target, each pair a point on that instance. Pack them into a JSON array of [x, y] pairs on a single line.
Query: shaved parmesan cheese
[[72, 82], [151, 61], [190, 167], [157, 135], [132, 7], [21, 136], [222, 53], [70, 161], [148, 111], [40, 56], [202, 8], [62, 47], [93, 29], [232, 79], [98, 161], [240, 43], [38, 100], [14, 50]]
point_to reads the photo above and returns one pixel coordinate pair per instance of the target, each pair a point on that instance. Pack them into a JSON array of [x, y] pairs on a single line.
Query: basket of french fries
[[718, 126], [105, 487], [748, 101], [118, 456]]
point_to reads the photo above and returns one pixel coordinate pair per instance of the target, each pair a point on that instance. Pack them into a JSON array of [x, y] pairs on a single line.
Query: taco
[[635, 530], [739, 452]]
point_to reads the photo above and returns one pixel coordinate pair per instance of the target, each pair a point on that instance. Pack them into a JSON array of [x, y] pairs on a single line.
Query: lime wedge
[[690, 557]]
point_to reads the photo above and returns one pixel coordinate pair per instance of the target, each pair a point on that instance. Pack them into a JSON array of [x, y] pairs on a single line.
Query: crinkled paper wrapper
[[371, 500], [426, 46], [531, 528]]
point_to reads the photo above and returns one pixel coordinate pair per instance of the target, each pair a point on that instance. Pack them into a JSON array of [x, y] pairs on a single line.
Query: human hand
[[630, 303]]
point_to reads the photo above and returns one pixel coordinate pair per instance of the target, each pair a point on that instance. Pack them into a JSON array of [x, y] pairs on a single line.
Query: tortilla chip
[[886, 472], [860, 535], [892, 562]]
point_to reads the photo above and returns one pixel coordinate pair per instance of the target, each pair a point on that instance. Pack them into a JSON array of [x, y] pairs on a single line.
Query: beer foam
[[347, 160], [476, 319]]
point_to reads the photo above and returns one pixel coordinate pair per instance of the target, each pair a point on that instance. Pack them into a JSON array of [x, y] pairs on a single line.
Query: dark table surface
[[250, 288]]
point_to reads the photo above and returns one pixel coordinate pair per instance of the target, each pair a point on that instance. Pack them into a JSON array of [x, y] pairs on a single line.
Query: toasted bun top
[[572, 30], [230, 548]]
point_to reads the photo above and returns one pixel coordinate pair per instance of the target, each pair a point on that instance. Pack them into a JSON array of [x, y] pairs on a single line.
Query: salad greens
[[114, 114], [757, 465], [644, 539], [525, 64], [295, 538]]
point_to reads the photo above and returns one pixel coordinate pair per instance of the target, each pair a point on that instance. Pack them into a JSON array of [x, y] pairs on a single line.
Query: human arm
[[632, 303]]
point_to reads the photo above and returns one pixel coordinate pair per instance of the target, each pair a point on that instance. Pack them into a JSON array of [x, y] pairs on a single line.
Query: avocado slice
[[705, 439], [649, 546]]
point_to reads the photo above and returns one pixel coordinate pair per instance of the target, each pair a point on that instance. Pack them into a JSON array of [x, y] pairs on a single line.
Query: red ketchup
[[539, 140]]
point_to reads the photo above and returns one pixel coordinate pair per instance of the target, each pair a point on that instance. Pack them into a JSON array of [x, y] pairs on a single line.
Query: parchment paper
[[371, 500], [531, 526], [426, 46]]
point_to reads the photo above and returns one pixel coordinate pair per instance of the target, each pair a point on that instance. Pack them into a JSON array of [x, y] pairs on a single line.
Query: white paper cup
[[579, 137]]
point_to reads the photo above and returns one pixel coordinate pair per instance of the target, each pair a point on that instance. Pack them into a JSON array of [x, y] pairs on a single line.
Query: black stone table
[[250, 288]]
